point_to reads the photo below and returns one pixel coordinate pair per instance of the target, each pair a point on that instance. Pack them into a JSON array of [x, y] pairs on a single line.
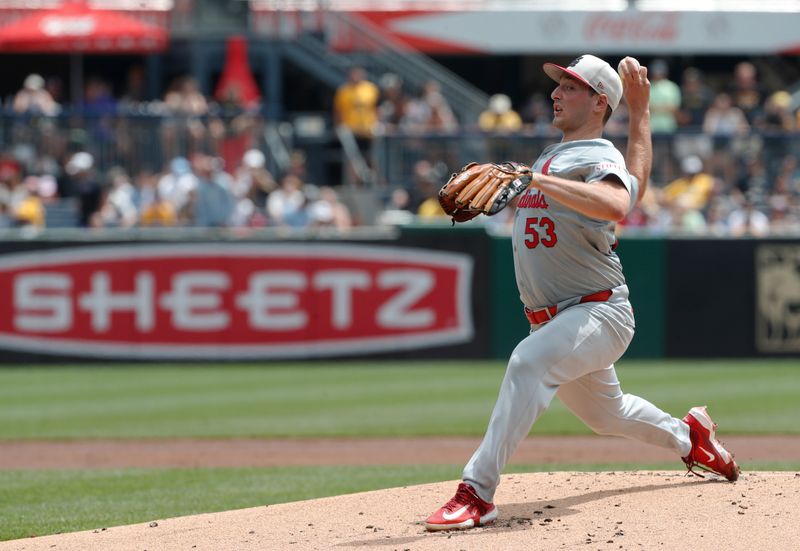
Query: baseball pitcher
[[571, 284]]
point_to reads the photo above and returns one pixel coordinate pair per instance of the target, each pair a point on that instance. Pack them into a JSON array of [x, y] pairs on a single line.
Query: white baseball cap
[[79, 162], [254, 158], [592, 71]]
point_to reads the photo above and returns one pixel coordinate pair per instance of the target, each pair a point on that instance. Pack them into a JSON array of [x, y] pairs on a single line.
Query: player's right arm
[[636, 89]]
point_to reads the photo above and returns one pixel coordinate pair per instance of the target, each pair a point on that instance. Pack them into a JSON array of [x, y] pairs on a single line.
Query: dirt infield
[[609, 510], [94, 454], [543, 511]]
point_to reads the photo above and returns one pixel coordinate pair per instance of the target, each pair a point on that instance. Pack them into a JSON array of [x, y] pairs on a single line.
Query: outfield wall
[[423, 292]]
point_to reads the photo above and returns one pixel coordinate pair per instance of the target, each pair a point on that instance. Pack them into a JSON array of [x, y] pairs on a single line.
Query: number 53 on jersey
[[540, 231]]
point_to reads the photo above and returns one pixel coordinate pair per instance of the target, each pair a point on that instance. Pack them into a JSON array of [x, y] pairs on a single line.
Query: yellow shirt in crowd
[[159, 213], [430, 208], [31, 211], [692, 190], [510, 121], [357, 106]]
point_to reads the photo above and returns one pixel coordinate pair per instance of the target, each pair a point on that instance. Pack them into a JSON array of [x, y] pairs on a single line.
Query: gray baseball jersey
[[560, 254]]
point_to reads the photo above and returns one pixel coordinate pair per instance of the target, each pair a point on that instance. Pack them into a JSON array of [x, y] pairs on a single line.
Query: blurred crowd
[[725, 156], [725, 153], [191, 192], [213, 175]]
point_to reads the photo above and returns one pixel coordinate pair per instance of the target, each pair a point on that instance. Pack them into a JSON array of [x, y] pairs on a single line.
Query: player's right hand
[[635, 85]]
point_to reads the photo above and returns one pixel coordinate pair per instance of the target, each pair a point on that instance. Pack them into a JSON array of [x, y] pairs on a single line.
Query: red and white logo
[[216, 301]]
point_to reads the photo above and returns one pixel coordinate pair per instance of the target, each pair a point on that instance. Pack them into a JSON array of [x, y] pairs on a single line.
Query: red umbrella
[[74, 27]]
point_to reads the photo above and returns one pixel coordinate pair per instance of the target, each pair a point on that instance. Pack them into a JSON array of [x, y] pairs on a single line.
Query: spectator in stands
[[777, 116], [752, 176], [499, 117], [98, 98], [185, 107], [355, 109], [775, 121], [34, 99], [789, 175], [392, 105], [685, 217], [185, 98], [397, 209], [244, 213], [746, 91], [100, 107], [134, 98], [696, 98], [424, 177], [724, 198], [355, 105], [328, 211], [117, 203], [665, 98], [22, 206], [693, 188], [251, 185], [747, 220], [30, 211], [286, 205], [177, 184], [154, 209], [426, 188], [298, 164], [431, 209], [82, 182], [497, 121], [783, 203], [441, 118], [213, 201], [428, 112], [723, 118], [783, 218], [146, 183], [717, 218], [253, 180], [159, 213]]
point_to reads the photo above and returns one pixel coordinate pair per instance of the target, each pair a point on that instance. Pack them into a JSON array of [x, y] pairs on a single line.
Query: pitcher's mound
[[609, 510]]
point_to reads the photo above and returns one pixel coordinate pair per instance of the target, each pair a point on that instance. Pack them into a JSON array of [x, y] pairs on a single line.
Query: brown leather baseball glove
[[483, 188]]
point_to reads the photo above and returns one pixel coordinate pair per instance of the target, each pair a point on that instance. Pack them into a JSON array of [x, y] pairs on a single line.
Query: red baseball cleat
[[707, 453], [465, 510]]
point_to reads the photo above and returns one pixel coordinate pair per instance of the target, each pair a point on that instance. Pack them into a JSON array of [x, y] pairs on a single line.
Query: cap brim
[[557, 71]]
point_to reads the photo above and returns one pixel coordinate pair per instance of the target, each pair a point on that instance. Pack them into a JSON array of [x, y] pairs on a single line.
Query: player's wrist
[[638, 115]]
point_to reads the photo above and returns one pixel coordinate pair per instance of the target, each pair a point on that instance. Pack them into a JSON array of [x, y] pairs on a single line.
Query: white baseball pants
[[573, 356]]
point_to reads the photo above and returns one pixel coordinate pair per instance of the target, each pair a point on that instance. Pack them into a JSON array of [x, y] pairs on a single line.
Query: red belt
[[543, 315]]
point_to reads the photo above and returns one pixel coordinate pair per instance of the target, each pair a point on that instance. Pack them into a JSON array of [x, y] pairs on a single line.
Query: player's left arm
[[606, 199]]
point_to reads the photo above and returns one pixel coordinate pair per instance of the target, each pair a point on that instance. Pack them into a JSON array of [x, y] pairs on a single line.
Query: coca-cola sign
[[233, 300], [632, 27]]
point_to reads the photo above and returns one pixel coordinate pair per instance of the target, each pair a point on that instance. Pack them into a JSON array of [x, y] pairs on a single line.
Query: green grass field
[[357, 399], [296, 399]]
